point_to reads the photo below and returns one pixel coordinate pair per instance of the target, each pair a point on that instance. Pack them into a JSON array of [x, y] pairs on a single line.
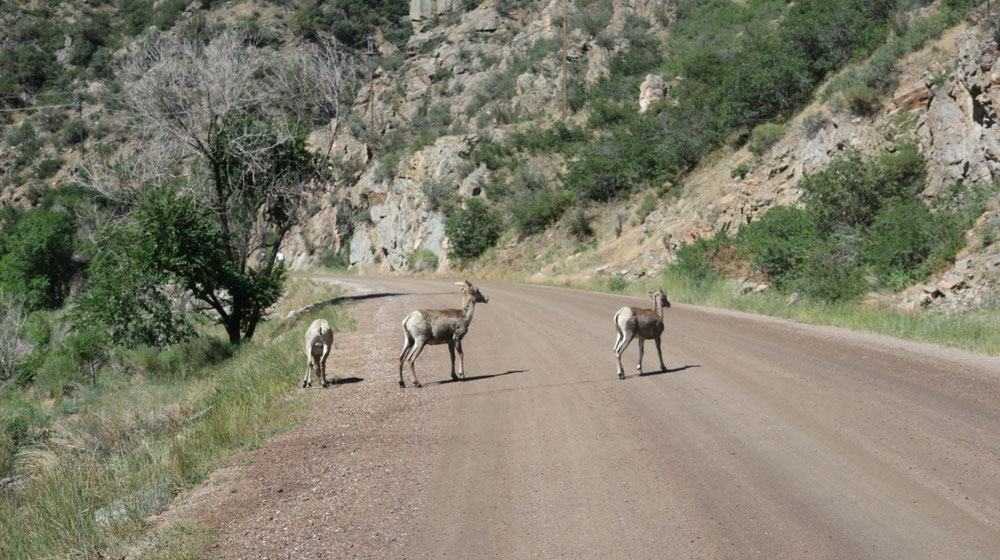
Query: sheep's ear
[[462, 284], [650, 293]]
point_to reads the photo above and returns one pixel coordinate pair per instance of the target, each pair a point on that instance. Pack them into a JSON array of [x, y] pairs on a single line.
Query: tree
[[37, 258], [13, 347], [472, 230], [223, 173]]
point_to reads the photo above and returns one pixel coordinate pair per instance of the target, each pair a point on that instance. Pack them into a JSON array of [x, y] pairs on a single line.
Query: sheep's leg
[[307, 380], [621, 349], [461, 360], [322, 367], [407, 346], [660, 354], [451, 352], [638, 367], [418, 348], [619, 337]]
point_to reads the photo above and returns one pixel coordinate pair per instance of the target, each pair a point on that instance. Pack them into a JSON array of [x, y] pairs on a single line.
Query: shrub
[[22, 423], [386, 170], [423, 260], [74, 133], [812, 124], [902, 238], [579, 224], [647, 206], [740, 170], [765, 136], [536, 210], [705, 259], [617, 283], [48, 167], [851, 191], [55, 374], [88, 348], [337, 260], [862, 99], [779, 241], [831, 270], [39, 258], [441, 196], [472, 230]]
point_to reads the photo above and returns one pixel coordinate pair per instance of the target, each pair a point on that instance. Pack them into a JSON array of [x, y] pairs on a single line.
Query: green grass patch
[[133, 440]]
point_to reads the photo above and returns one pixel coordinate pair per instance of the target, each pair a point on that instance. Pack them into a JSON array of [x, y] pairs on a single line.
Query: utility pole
[[79, 116], [564, 58], [371, 86]]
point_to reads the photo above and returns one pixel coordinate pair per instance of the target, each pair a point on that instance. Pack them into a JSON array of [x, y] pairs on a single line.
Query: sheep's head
[[472, 293], [659, 296]]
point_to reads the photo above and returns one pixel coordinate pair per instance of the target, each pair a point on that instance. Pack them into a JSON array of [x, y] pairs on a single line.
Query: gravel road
[[764, 439]]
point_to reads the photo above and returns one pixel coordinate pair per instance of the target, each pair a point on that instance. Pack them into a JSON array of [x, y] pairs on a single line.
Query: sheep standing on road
[[439, 326], [636, 322], [319, 339]]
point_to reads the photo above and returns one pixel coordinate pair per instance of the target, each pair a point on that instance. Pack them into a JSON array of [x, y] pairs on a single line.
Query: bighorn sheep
[[635, 322], [319, 339], [439, 326]]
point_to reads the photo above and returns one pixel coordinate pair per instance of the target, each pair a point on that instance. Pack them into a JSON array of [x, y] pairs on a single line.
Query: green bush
[[706, 259], [862, 99], [831, 271], [423, 260], [902, 238], [851, 191], [647, 206], [616, 283], [75, 132], [55, 375], [535, 210], [472, 230], [779, 241], [49, 167], [337, 260], [764, 136], [441, 196], [37, 259], [740, 171], [579, 224], [22, 423]]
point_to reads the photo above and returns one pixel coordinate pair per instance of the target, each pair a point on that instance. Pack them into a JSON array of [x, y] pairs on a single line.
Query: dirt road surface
[[764, 439]]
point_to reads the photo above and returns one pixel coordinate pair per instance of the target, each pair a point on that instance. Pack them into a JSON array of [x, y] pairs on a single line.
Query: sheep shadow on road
[[662, 371], [477, 377]]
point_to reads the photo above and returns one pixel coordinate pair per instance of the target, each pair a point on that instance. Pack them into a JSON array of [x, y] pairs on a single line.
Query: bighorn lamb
[[319, 339], [635, 322], [439, 326]]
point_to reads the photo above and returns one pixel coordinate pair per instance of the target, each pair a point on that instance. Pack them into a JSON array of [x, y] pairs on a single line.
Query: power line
[[39, 107]]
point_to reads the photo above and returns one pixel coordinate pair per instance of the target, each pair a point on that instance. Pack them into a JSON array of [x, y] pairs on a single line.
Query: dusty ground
[[764, 439]]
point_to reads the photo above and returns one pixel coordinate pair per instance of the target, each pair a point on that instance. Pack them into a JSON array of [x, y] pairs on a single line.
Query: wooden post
[[564, 60], [371, 86]]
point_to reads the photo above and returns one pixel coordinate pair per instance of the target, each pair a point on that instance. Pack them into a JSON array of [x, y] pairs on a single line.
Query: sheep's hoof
[[621, 375], [417, 384], [402, 384]]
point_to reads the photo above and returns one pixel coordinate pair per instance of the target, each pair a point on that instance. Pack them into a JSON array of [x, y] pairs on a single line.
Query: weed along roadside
[[101, 458]]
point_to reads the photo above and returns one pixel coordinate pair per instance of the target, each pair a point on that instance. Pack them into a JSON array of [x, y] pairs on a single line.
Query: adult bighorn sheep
[[319, 339], [439, 326], [636, 322]]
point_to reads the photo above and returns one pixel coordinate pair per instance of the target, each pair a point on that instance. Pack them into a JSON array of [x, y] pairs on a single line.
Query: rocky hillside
[[945, 100], [463, 99]]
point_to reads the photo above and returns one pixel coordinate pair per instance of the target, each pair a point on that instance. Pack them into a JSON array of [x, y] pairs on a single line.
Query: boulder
[[653, 89]]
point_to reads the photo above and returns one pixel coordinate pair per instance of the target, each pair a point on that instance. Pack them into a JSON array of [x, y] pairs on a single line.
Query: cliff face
[[450, 69], [453, 60]]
